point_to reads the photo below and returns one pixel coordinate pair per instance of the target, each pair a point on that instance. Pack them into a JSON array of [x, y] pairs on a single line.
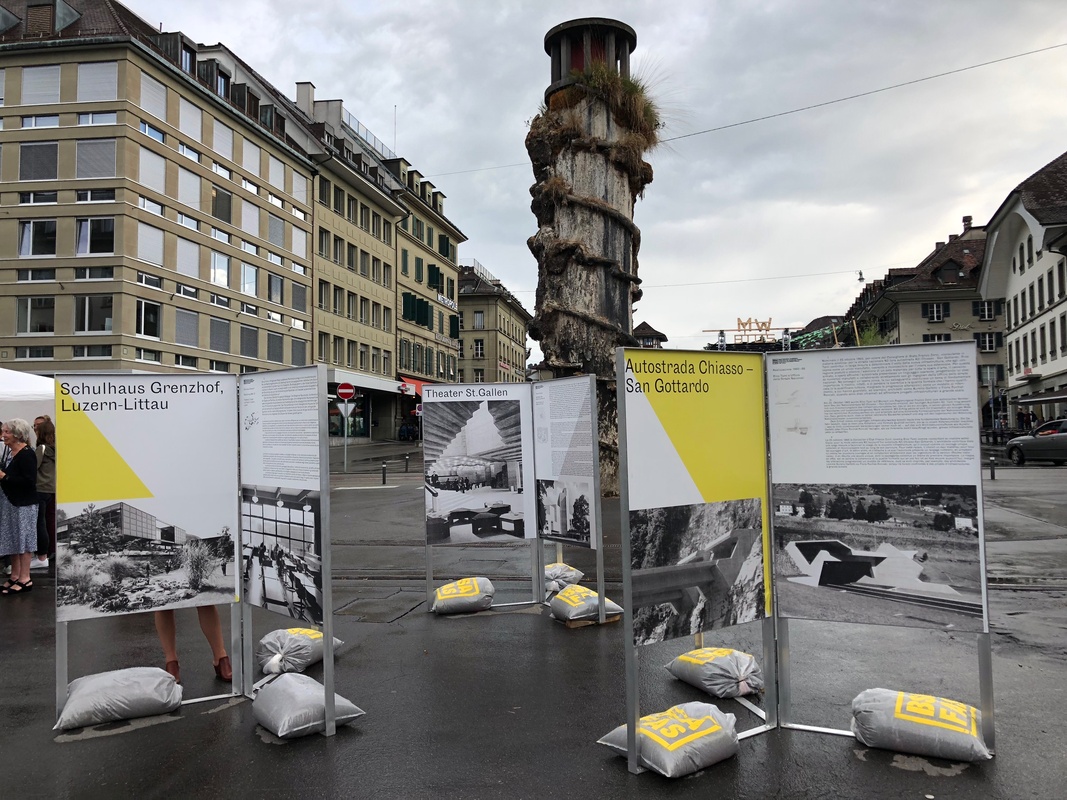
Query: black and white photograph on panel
[[473, 459], [696, 568], [563, 510], [117, 558], [281, 542], [889, 554]]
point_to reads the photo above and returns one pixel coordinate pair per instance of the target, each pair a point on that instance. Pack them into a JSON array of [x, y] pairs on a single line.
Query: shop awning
[[416, 383], [1051, 396]]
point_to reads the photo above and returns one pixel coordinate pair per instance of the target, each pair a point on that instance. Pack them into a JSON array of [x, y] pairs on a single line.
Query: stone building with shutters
[[1026, 263], [156, 197], [938, 300], [492, 331]]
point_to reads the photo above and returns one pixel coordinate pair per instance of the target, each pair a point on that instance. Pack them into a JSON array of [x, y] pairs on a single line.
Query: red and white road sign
[[345, 391], [406, 388]]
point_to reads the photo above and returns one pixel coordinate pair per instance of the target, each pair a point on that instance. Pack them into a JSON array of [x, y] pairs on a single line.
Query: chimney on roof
[[953, 237], [305, 97], [966, 224], [938, 245]]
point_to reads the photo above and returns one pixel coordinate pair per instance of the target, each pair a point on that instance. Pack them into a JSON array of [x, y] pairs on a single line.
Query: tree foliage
[[92, 533], [840, 507]]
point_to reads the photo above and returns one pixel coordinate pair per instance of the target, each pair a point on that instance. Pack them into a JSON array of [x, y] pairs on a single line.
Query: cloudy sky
[[772, 219]]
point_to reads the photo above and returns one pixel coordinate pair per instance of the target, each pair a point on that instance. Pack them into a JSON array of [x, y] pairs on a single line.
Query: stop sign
[[345, 391]]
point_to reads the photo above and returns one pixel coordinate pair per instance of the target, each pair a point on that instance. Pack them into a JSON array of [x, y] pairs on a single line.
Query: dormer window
[[222, 84], [188, 60]]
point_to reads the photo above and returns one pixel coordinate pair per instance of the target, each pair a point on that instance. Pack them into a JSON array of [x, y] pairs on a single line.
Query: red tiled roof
[[98, 18], [1044, 194]]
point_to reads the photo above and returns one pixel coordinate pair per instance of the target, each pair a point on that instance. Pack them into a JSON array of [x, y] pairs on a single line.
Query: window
[[364, 310], [221, 201], [376, 315], [98, 118], [92, 313], [479, 376], [96, 158], [249, 276], [93, 273], [352, 206], [40, 85], [1033, 306], [338, 300], [387, 319], [429, 236], [41, 121], [275, 347], [364, 263], [220, 269], [148, 319], [1052, 338], [338, 200], [186, 328], [35, 315], [218, 366], [188, 262], [249, 341], [147, 279], [387, 275], [375, 359], [985, 310], [1029, 251], [33, 352], [37, 237], [220, 235], [376, 225], [96, 236], [364, 216], [36, 275], [38, 161], [186, 291], [190, 119], [300, 239], [387, 232], [152, 171], [151, 131], [1061, 271], [189, 152], [403, 262], [1022, 297], [479, 320], [1040, 292], [275, 173], [153, 96], [479, 348], [143, 354], [338, 249], [37, 198], [219, 300], [1044, 344], [299, 358], [275, 289], [92, 351], [219, 335], [222, 84], [932, 312], [97, 81], [248, 308], [298, 292], [364, 351], [275, 230], [417, 228], [218, 169], [324, 190], [150, 205], [324, 295], [338, 349], [418, 269], [989, 342], [190, 362], [251, 157]]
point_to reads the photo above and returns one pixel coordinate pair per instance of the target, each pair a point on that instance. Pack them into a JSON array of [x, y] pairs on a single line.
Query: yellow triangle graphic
[[90, 469]]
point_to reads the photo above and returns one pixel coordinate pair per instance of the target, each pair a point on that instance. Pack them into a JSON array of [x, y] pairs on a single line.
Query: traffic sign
[[418, 410], [345, 391], [346, 407], [405, 388]]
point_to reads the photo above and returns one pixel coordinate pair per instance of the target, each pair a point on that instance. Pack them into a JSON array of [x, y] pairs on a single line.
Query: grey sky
[[866, 184]]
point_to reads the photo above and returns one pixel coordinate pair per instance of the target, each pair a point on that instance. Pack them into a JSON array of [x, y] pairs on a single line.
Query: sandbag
[[560, 575], [578, 602], [294, 705], [119, 694], [719, 671], [920, 724], [291, 650], [680, 740], [464, 596]]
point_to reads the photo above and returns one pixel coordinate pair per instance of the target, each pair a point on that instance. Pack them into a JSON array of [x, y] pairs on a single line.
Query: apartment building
[[938, 300], [492, 325], [1026, 263], [356, 215], [156, 202], [427, 326]]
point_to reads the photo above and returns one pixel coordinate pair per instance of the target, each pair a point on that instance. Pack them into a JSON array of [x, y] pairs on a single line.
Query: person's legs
[[211, 625], [168, 634]]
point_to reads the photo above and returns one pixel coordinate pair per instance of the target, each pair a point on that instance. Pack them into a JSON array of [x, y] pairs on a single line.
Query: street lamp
[[786, 339], [722, 340]]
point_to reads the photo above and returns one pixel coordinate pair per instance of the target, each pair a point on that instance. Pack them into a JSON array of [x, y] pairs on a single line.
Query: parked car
[[1046, 442]]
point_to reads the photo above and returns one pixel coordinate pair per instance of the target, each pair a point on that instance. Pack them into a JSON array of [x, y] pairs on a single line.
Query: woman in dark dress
[[18, 505]]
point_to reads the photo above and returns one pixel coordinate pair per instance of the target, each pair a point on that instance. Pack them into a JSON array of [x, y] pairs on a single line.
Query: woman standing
[[46, 491], [18, 505]]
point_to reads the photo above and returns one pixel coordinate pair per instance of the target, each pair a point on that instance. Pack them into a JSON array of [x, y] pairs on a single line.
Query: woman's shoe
[[223, 670], [173, 668], [16, 587]]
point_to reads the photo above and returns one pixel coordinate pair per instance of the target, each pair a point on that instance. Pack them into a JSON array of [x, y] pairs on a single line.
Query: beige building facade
[[492, 329]]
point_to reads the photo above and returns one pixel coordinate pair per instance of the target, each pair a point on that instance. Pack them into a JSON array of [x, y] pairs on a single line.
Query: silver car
[[1046, 442]]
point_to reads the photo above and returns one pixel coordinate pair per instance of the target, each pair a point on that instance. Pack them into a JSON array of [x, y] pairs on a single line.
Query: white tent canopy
[[25, 395]]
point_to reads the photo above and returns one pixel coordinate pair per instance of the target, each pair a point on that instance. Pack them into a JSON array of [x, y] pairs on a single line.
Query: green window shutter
[[453, 326]]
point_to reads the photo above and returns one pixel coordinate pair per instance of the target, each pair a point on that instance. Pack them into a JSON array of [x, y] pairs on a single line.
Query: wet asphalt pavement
[[509, 704]]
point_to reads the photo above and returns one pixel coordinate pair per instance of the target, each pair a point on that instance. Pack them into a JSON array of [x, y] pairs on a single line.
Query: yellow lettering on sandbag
[[311, 633], [575, 595], [673, 729], [938, 712], [704, 655], [465, 587]]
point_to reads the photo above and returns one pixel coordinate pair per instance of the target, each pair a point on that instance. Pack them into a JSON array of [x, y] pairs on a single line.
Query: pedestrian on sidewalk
[[46, 491], [210, 624], [18, 505]]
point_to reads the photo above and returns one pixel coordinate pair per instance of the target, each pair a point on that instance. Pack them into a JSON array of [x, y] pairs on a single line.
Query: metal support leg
[[785, 694], [985, 683]]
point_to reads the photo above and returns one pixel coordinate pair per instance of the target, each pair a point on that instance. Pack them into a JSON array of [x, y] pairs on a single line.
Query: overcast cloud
[[866, 184]]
